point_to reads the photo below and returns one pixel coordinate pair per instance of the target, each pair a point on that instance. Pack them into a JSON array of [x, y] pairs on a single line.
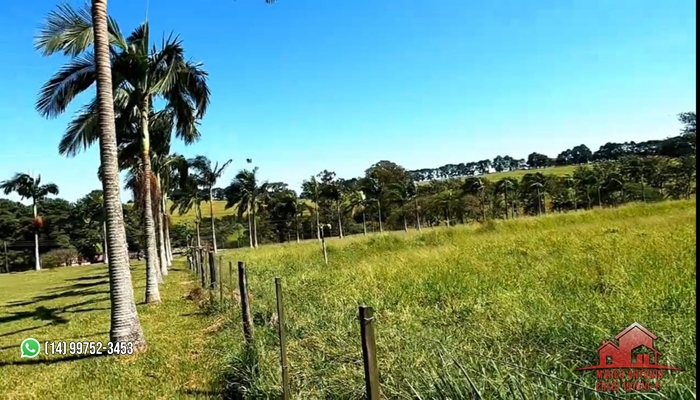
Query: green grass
[[72, 303], [513, 306], [562, 170]]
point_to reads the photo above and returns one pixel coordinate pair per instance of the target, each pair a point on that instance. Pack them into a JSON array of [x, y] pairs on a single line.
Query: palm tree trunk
[[162, 253], [161, 262], [405, 223], [211, 214], [125, 325], [37, 259], [104, 242], [255, 229], [198, 224], [417, 215], [250, 229], [166, 232], [296, 224], [340, 221], [318, 222], [379, 207], [152, 292], [364, 223]]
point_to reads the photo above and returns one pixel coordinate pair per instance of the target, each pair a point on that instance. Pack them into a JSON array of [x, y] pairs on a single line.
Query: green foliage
[[59, 257]]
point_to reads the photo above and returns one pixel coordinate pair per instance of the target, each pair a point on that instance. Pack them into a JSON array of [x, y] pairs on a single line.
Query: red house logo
[[635, 349], [631, 364]]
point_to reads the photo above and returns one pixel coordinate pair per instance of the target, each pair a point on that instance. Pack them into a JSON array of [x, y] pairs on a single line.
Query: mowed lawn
[[72, 303], [510, 309]]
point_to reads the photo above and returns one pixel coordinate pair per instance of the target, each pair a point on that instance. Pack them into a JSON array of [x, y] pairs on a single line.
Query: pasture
[[72, 303], [509, 309]]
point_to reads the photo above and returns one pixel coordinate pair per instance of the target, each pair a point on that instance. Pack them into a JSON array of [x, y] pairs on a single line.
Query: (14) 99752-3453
[[77, 348]]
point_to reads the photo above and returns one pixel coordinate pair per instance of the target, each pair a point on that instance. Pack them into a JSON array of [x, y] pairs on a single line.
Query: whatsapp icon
[[30, 348]]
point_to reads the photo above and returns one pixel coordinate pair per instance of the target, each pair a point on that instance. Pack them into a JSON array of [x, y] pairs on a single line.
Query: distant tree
[[311, 190], [537, 160], [207, 175], [248, 194], [28, 187]]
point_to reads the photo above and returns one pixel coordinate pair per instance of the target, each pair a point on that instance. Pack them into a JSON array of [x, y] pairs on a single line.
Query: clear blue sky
[[305, 85]]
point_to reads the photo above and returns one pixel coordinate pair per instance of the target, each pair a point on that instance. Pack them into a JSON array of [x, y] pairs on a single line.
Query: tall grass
[[501, 311]]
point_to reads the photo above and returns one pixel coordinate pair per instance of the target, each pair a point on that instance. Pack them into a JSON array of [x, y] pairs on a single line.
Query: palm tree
[[186, 196], [207, 175], [402, 193], [311, 189], [92, 207], [124, 325], [143, 75], [245, 193], [357, 203], [28, 187]]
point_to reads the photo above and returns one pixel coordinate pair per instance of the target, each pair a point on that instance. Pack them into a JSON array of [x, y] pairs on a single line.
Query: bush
[[59, 257]]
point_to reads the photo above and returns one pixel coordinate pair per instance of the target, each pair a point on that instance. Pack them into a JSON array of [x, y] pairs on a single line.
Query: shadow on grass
[[86, 285], [23, 330], [87, 278], [60, 295], [201, 393], [98, 334], [41, 313], [52, 314], [49, 361]]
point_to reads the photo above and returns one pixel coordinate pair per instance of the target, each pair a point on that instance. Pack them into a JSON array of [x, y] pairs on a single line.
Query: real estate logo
[[633, 364]]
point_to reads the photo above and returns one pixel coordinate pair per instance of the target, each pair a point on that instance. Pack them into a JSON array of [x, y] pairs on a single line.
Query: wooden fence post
[[369, 353], [202, 269], [230, 279], [221, 279], [245, 304], [212, 271], [283, 340]]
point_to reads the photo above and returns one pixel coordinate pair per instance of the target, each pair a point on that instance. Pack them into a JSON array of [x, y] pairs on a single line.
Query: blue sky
[[307, 85]]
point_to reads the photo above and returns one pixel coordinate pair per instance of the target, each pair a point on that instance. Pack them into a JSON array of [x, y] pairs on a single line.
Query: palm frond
[[69, 31], [73, 78]]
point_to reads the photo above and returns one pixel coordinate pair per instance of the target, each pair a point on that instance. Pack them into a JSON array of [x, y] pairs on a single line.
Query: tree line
[[386, 198], [674, 147]]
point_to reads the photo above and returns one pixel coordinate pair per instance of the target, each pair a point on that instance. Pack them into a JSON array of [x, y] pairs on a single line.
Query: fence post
[[283, 340], [230, 279], [221, 279], [369, 353], [212, 271], [245, 304], [202, 269]]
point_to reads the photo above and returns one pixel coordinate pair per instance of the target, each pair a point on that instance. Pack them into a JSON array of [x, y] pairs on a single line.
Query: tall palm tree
[[124, 325], [28, 187], [92, 206], [401, 193], [245, 193], [311, 189], [357, 203], [142, 75], [207, 175], [186, 196]]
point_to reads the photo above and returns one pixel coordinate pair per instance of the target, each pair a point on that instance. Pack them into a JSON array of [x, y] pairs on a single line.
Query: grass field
[[73, 304], [220, 211], [514, 306]]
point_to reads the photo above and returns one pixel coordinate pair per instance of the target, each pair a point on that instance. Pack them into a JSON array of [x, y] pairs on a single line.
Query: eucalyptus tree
[[207, 175], [28, 187], [247, 194]]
